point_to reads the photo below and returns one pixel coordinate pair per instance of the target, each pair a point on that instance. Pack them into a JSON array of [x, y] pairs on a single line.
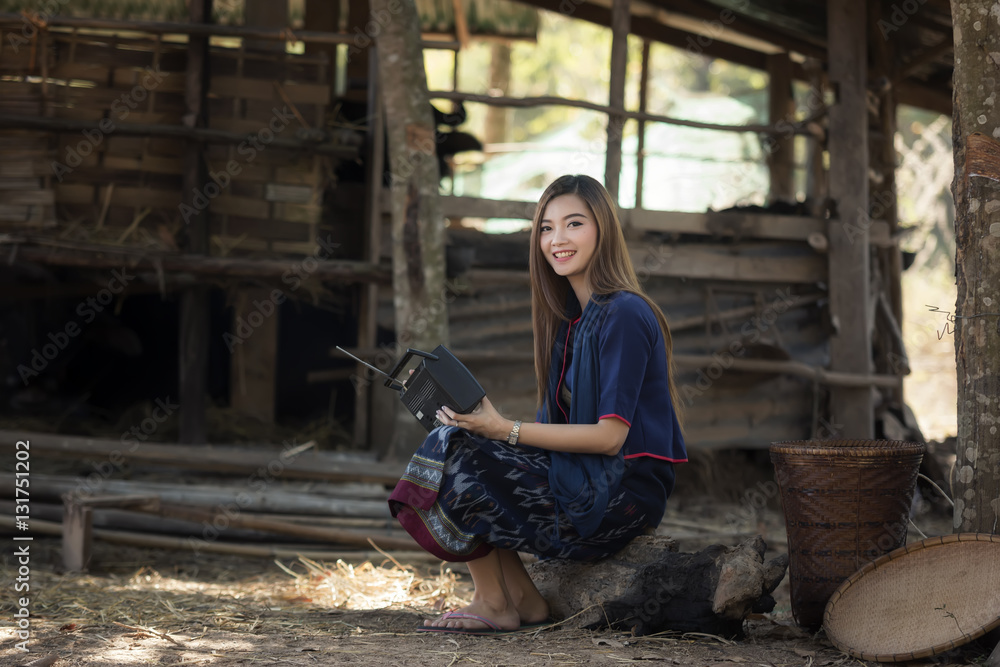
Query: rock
[[649, 587]]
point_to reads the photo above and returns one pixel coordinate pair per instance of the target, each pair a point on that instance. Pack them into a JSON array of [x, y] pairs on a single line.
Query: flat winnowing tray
[[920, 600]]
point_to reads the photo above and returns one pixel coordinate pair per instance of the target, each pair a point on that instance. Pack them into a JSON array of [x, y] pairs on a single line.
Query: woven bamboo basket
[[846, 503], [920, 600]]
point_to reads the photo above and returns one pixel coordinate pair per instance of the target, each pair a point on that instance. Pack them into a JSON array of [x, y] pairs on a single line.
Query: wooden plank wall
[[492, 314], [27, 202], [128, 189]]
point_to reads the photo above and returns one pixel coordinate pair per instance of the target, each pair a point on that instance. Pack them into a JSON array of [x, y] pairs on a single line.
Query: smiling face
[[567, 236]]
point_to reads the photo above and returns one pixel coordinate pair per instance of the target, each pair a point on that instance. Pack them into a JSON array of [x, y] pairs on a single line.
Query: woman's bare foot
[[504, 616]]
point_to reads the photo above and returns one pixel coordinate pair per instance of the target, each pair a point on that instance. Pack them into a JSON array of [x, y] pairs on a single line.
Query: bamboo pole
[[800, 127], [231, 460], [40, 527]]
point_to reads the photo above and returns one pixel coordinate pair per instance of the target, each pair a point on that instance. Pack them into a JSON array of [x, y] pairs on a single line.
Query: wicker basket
[[921, 600], [846, 503]]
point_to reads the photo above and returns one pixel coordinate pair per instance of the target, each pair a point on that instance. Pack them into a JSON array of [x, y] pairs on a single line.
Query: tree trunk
[[977, 240], [417, 224]]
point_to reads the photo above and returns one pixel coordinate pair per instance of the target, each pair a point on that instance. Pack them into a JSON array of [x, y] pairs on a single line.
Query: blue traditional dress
[[463, 495]]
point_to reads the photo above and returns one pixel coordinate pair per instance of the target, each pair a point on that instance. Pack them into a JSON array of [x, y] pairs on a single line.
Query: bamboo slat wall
[[127, 189]]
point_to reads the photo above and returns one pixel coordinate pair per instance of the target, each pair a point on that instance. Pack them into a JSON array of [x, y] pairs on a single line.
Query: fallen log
[[649, 587]]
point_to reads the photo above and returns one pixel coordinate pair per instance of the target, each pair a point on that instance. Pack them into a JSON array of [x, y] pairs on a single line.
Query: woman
[[596, 467]]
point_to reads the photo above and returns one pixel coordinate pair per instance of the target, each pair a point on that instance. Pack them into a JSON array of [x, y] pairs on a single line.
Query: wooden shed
[[141, 144]]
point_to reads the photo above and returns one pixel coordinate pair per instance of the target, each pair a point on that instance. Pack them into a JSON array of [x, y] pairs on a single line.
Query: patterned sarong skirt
[[463, 495]]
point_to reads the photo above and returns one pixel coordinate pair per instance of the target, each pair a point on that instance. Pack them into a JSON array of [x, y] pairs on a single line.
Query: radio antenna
[[377, 370]]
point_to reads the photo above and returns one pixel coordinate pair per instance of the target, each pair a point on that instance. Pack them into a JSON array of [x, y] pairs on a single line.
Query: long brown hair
[[610, 270]]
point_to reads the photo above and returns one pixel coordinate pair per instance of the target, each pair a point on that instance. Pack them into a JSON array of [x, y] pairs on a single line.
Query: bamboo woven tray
[[919, 600]]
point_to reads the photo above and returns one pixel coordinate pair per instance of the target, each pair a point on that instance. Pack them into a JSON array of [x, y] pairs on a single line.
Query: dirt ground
[[159, 607]]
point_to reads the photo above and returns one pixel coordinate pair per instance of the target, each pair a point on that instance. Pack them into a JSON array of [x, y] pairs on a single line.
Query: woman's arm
[[605, 437]]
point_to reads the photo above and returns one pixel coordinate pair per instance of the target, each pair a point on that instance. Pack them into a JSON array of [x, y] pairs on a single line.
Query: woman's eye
[[544, 228]]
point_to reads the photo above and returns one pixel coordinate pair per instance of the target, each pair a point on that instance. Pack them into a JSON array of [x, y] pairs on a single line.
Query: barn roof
[[914, 36]]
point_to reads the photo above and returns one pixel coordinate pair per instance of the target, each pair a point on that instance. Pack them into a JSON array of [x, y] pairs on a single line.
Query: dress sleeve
[[627, 339]]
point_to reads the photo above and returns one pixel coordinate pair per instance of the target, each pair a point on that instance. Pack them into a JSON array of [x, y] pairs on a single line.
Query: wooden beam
[[185, 132], [925, 97], [796, 368], [616, 95], [247, 460], [849, 269], [649, 28], [744, 25], [208, 30], [101, 257], [724, 224], [709, 262]]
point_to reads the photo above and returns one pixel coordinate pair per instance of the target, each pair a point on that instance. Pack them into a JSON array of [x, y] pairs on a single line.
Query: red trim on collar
[[563, 371]]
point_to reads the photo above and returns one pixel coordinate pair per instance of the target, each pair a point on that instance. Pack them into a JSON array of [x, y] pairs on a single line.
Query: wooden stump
[[649, 587]]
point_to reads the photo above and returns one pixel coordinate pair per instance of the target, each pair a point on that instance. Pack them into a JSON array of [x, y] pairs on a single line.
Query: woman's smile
[[568, 236]]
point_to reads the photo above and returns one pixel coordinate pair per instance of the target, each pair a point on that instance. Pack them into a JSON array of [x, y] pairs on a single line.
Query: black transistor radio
[[440, 379]]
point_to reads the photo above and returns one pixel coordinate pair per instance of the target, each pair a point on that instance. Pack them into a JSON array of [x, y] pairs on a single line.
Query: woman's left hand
[[484, 420]]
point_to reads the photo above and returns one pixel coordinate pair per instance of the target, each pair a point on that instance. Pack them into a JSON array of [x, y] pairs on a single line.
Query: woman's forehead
[[566, 205]]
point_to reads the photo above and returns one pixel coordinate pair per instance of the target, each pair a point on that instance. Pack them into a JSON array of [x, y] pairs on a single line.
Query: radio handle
[[402, 362]]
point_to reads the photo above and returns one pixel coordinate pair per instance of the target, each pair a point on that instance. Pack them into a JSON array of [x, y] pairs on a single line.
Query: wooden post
[[77, 534], [324, 16], [781, 158], [266, 14], [368, 305], [976, 189], [194, 304], [620, 20], [359, 16], [254, 362], [883, 201], [816, 176], [851, 409], [417, 224], [496, 129], [640, 158]]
